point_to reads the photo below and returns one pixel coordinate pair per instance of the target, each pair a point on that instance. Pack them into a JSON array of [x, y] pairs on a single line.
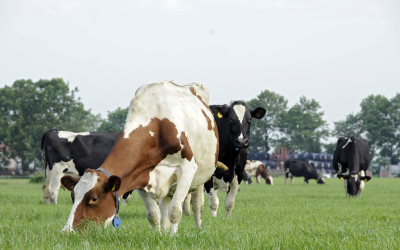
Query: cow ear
[[113, 184], [342, 177], [258, 113], [69, 182], [222, 111], [366, 178]]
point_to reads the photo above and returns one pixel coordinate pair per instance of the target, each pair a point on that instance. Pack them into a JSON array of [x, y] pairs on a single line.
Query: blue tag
[[116, 221]]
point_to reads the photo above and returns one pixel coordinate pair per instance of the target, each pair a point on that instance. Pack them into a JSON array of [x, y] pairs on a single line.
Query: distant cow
[[257, 169], [69, 153], [351, 161], [298, 168]]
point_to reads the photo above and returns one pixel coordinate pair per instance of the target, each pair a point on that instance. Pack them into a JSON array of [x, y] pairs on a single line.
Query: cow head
[[354, 182], [320, 180], [92, 197], [239, 117]]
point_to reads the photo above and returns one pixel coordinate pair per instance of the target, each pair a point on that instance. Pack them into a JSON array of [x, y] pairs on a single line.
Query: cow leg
[[126, 197], [186, 204], [213, 200], [258, 178], [152, 210], [286, 176], [184, 176], [292, 177], [46, 192], [198, 205], [54, 184], [164, 212], [230, 197]]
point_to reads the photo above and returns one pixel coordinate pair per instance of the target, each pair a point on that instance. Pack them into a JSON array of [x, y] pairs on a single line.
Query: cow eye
[[230, 120], [94, 199], [249, 120]]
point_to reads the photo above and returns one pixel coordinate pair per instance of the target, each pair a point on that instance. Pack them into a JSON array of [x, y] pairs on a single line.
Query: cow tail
[[43, 154]]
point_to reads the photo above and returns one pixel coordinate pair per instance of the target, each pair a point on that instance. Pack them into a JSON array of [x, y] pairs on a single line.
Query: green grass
[[295, 216]]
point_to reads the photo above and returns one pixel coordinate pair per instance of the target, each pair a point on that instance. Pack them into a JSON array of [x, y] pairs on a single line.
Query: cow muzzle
[[242, 143]]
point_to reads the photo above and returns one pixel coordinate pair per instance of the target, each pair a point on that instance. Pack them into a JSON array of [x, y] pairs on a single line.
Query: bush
[[37, 178]]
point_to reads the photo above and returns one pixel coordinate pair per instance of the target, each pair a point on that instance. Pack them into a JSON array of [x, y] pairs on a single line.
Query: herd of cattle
[[173, 146]]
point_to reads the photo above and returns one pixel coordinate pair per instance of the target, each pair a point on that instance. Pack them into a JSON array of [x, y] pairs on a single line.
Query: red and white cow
[[257, 169], [169, 147]]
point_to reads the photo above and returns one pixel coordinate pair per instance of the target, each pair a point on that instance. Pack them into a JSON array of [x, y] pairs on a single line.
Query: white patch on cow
[[340, 168], [240, 111], [271, 179], [53, 179], [70, 136], [109, 220], [220, 184], [348, 141], [362, 173], [151, 133], [347, 172], [355, 176], [362, 186], [85, 184], [240, 136]]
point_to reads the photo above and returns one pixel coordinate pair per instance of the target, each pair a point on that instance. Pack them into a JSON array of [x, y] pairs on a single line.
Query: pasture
[[282, 216]]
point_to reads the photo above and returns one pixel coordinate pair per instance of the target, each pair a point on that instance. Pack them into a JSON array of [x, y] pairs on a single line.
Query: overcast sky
[[337, 52]]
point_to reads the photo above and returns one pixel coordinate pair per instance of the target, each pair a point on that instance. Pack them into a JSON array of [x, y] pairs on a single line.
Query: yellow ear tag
[[220, 115], [365, 180], [341, 178], [112, 190]]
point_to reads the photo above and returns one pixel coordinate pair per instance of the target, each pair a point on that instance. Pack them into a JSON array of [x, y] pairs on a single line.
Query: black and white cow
[[233, 124], [69, 153], [351, 161], [304, 168]]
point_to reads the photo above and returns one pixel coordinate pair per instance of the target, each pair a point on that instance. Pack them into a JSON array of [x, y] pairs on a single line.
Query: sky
[[336, 52]]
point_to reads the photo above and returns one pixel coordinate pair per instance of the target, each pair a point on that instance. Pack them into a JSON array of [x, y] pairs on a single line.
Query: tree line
[[28, 109]]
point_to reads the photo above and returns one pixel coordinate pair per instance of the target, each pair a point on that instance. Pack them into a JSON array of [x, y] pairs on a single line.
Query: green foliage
[[37, 178], [265, 130], [115, 121], [303, 127], [28, 109], [281, 216]]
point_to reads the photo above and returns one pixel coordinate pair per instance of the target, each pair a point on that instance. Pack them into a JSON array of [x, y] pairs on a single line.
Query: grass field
[[295, 216]]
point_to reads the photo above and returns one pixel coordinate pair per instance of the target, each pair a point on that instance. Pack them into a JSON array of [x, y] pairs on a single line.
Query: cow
[[257, 169], [351, 161], [233, 124], [168, 148], [298, 168], [69, 153]]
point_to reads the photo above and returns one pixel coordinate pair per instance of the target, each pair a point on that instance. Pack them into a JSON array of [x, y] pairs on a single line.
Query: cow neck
[[135, 155]]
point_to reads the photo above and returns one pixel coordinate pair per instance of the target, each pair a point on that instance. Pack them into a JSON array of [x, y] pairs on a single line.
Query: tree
[[381, 119], [115, 120], [28, 109], [303, 127], [265, 130], [352, 125]]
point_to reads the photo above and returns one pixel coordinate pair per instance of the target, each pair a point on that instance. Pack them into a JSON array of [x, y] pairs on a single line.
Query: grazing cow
[[351, 161], [298, 168], [257, 169], [233, 124], [168, 148], [69, 153]]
